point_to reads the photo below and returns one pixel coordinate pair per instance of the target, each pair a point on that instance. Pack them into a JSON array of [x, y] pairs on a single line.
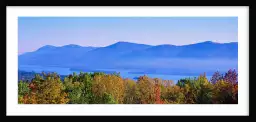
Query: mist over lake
[[132, 60], [125, 73]]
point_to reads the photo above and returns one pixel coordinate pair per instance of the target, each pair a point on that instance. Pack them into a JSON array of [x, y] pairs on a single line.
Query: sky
[[35, 32]]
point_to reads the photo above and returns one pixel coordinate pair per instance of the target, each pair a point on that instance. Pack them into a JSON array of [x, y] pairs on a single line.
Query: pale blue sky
[[35, 32]]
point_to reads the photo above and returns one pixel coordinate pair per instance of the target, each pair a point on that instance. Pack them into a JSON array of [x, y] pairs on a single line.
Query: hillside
[[125, 55]]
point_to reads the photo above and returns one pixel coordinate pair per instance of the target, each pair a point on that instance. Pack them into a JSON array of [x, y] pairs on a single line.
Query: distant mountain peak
[[205, 43], [71, 45], [123, 42], [128, 43], [215, 42], [209, 42], [47, 47]]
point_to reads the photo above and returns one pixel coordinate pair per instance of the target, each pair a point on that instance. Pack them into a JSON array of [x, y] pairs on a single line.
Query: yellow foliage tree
[[130, 96], [110, 84], [46, 91], [146, 91]]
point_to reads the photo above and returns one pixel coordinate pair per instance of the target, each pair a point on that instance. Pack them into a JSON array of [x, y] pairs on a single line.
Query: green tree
[[174, 95], [130, 96], [202, 90], [23, 89]]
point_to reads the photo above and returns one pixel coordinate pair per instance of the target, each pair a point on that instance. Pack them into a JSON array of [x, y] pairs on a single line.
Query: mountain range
[[127, 55]]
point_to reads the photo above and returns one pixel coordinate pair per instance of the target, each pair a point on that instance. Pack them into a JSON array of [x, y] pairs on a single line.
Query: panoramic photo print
[[127, 60]]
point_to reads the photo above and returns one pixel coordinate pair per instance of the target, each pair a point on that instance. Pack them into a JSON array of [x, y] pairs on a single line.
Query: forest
[[102, 88]]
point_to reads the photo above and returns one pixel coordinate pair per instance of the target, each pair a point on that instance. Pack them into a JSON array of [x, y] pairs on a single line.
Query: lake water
[[123, 73]]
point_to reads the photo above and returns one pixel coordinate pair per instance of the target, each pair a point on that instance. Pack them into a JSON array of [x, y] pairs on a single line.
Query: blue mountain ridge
[[203, 50], [136, 56]]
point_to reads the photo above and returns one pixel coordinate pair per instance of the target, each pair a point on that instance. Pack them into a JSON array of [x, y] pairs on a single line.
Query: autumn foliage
[[101, 88]]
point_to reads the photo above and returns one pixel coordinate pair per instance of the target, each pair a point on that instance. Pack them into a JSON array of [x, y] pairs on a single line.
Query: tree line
[[101, 88]]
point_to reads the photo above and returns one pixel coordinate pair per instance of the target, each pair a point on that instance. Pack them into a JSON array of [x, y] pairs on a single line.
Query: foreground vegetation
[[100, 88]]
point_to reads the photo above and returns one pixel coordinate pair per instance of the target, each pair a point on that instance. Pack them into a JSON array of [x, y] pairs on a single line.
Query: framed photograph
[[127, 60]]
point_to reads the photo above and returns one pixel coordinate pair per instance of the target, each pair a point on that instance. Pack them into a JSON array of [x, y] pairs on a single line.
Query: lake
[[123, 73]]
